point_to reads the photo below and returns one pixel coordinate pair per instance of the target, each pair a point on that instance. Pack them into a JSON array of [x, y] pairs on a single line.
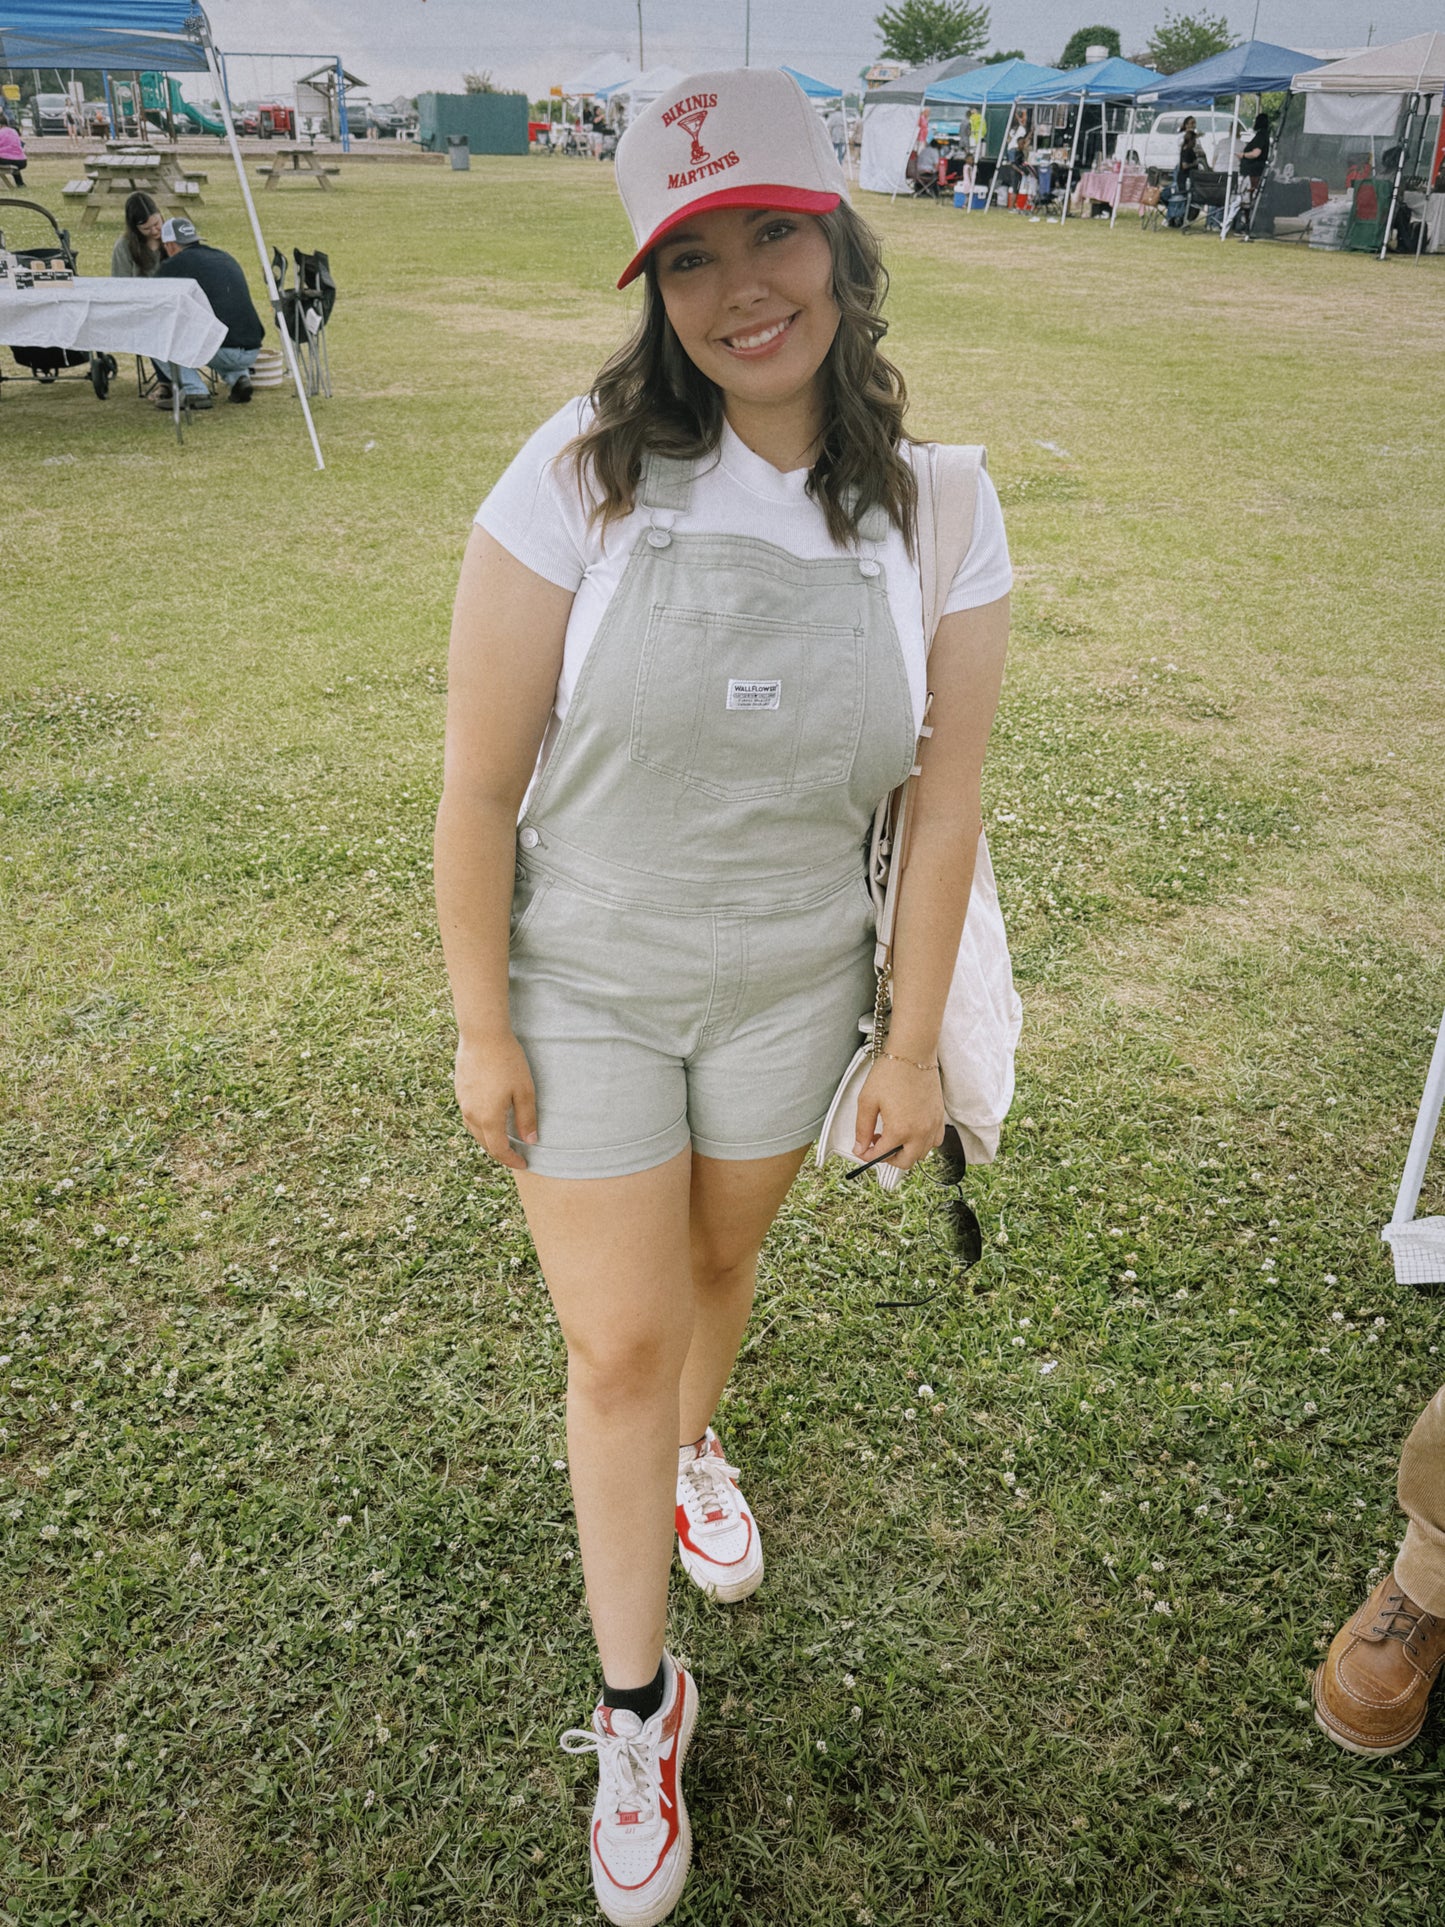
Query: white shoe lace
[[706, 1485], [629, 1772]]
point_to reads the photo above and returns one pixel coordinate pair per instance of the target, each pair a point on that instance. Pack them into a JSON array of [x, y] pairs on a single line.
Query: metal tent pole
[[1124, 161], [288, 345], [1073, 150], [1229, 178], [1399, 176]]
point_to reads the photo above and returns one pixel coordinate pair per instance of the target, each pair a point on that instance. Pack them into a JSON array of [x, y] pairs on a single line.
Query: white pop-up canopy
[[1411, 72]]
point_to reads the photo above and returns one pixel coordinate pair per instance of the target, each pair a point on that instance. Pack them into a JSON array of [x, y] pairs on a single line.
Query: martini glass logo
[[691, 125]]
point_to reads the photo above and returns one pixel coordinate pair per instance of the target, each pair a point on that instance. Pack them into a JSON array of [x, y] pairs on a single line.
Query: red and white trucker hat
[[746, 137]]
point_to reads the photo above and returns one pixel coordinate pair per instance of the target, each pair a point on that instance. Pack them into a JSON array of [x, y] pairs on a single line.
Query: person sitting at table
[[12, 153], [221, 280], [138, 253]]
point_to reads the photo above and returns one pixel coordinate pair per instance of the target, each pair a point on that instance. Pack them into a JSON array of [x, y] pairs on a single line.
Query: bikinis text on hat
[[745, 137]]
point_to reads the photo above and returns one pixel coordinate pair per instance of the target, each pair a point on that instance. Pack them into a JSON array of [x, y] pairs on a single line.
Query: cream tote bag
[[982, 1016]]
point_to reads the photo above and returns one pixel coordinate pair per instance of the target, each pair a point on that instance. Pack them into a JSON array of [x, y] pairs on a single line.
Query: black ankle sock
[[641, 1700]]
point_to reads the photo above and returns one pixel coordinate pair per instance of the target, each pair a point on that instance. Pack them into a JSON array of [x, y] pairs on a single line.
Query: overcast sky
[[408, 45]]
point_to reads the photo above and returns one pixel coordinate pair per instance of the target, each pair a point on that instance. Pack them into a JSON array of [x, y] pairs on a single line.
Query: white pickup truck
[[1158, 146]]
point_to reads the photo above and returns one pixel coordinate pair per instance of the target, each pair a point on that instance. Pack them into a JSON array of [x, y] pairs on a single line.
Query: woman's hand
[[899, 1104], [493, 1078]]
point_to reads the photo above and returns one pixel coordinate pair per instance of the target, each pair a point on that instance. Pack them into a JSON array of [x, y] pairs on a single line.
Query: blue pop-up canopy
[[814, 89], [160, 35], [1004, 80], [1253, 67], [154, 36], [1114, 79]]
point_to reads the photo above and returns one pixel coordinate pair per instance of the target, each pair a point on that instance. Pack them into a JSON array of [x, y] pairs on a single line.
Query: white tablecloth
[[168, 320]]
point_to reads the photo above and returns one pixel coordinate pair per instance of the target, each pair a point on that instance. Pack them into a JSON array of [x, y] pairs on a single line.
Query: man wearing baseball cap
[[220, 278]]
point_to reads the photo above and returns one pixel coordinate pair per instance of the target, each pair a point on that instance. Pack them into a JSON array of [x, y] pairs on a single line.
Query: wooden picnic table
[[305, 163], [174, 186]]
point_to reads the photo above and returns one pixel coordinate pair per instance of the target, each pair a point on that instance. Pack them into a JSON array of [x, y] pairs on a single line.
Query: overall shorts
[[692, 934]]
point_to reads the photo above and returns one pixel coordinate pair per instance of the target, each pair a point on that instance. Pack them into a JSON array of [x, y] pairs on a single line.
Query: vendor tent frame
[[1104, 81], [162, 36], [1414, 69]]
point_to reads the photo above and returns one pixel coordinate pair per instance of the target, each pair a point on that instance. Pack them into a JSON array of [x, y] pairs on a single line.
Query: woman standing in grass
[[687, 663]]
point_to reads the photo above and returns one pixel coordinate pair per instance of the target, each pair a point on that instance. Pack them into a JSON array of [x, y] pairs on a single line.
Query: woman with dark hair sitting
[[688, 660], [138, 253]]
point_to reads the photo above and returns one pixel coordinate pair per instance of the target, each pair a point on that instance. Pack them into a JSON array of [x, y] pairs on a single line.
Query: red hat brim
[[794, 200]]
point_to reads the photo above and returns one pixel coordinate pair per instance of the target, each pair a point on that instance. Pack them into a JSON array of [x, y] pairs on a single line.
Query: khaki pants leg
[[1420, 1568]]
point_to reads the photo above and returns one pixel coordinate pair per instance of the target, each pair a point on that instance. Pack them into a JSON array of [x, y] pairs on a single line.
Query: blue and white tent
[[1253, 67], [157, 36], [1005, 80], [164, 36], [1101, 81], [1114, 79], [814, 89]]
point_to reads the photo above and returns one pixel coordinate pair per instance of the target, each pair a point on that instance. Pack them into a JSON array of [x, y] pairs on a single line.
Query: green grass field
[[290, 1615]]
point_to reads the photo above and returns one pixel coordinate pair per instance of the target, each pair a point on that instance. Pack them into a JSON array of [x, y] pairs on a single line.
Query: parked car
[[48, 113], [1158, 146]]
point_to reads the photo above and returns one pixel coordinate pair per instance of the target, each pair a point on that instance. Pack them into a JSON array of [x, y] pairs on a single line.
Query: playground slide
[[181, 108]]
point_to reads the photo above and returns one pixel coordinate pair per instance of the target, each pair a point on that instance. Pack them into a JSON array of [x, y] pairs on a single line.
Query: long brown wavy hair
[[649, 397]]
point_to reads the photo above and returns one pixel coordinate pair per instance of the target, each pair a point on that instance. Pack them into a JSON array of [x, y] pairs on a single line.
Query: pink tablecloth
[[1104, 183]]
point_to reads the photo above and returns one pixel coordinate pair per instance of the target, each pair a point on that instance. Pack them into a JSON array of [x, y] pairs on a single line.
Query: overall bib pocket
[[740, 706]]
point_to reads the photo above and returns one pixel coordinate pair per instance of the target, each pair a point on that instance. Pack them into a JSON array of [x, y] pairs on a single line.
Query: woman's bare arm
[[508, 629], [899, 1104]]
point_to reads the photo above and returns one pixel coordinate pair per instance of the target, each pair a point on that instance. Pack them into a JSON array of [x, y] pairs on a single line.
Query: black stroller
[[47, 365]]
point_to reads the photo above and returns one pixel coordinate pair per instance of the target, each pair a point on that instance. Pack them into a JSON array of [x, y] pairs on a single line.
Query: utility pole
[[641, 57]]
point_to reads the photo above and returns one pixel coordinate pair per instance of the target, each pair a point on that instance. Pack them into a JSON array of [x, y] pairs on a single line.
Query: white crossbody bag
[[982, 1015]]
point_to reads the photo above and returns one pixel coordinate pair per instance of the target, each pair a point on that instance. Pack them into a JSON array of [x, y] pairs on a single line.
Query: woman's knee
[[623, 1371]]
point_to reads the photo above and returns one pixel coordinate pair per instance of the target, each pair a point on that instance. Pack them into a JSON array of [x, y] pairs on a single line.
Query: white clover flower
[[925, 1391], [344, 1520]]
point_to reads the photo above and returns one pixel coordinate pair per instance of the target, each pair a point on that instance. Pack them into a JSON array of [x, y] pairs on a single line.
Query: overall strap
[[665, 485]]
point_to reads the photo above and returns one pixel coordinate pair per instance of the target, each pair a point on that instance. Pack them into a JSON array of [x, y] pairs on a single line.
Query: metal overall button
[[869, 568], [529, 838], [658, 538]]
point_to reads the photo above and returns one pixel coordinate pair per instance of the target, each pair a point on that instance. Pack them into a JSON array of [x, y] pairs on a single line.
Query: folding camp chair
[[305, 311]]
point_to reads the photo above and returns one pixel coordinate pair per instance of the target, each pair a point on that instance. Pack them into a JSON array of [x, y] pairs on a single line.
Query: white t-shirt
[[538, 514]]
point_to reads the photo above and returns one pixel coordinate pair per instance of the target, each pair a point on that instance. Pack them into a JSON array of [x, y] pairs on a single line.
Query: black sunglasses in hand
[[964, 1227]]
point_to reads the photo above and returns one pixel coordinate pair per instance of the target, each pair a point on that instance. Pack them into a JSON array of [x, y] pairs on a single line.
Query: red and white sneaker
[[641, 1840], [717, 1535]]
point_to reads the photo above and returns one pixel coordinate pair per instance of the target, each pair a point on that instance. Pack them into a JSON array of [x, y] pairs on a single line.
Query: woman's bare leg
[[615, 1253], [732, 1205]]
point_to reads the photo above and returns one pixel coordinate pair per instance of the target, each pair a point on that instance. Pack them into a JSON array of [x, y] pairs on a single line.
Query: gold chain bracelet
[[912, 1062]]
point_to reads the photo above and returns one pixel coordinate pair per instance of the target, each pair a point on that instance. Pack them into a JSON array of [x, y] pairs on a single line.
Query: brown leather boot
[[1370, 1694]]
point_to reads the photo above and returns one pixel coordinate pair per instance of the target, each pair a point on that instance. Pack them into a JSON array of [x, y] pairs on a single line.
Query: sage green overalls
[[692, 935]]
